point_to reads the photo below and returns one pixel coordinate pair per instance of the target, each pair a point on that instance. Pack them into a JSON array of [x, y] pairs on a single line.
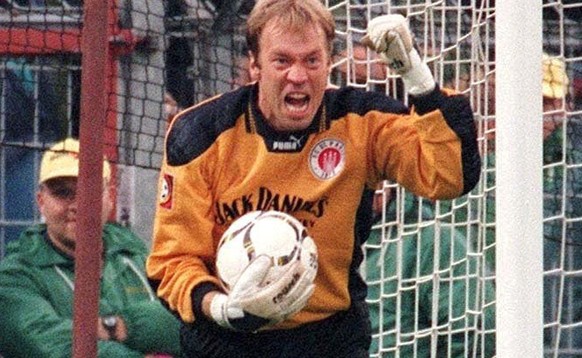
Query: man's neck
[[63, 247]]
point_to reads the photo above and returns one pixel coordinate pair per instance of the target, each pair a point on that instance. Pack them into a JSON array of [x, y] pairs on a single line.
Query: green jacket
[[403, 295], [36, 299]]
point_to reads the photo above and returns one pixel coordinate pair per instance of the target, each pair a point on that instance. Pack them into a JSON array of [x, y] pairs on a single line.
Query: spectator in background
[[562, 185], [179, 54], [562, 157], [363, 68], [423, 283], [577, 84], [243, 73], [37, 278], [171, 107], [360, 65]]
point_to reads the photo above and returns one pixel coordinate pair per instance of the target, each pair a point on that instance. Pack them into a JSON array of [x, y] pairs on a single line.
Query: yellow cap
[[555, 80], [62, 160]]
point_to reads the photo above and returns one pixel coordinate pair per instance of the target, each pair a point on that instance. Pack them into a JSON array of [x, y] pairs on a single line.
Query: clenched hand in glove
[[390, 37]]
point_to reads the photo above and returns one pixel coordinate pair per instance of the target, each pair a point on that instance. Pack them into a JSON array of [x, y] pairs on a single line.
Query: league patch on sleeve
[[167, 192]]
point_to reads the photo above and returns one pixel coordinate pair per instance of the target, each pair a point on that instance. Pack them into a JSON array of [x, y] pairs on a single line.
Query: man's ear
[[254, 68], [40, 200], [108, 201]]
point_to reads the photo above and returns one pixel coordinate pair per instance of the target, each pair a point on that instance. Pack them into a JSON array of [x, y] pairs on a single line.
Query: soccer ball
[[272, 233]]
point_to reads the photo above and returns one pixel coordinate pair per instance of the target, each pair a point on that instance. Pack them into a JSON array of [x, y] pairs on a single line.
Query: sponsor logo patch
[[292, 144], [167, 191], [327, 158]]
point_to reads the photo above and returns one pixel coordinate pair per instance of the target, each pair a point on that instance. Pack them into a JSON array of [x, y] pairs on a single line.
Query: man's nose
[[297, 74]]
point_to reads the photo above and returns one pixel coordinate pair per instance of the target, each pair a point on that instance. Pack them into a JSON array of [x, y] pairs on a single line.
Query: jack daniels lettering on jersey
[[268, 200]]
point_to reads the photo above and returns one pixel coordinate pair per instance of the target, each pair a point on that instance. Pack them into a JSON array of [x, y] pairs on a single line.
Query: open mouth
[[297, 103]]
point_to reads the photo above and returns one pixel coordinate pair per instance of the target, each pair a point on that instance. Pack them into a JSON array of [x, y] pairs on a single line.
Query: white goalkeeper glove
[[253, 304], [390, 37]]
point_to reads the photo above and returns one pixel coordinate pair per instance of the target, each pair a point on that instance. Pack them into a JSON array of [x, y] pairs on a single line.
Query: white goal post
[[502, 271], [519, 189]]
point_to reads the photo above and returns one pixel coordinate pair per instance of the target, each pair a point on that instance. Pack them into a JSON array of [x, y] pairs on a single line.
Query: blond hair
[[293, 14]]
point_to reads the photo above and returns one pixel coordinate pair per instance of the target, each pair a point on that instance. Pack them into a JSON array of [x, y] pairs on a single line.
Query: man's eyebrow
[[285, 53]]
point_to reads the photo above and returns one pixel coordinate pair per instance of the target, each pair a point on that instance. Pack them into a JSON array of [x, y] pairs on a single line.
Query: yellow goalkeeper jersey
[[223, 160]]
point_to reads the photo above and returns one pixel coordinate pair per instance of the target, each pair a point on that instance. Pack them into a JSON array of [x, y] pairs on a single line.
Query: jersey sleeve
[[433, 151], [183, 246]]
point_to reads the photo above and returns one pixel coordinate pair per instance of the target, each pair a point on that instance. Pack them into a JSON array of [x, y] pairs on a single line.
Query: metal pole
[[94, 48]]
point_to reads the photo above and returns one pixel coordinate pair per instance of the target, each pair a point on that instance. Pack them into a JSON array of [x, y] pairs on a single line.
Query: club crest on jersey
[[167, 191], [327, 158]]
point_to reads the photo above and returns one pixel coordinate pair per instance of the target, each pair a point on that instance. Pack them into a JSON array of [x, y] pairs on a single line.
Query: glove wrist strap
[[418, 80], [218, 310]]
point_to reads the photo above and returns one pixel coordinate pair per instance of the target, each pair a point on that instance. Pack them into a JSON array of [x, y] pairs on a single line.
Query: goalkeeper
[[287, 142]]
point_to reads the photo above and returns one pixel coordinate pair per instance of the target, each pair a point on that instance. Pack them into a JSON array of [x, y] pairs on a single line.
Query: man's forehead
[[276, 28], [287, 43]]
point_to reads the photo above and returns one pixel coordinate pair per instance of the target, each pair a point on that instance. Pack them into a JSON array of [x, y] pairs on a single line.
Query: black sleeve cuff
[[428, 102], [198, 294]]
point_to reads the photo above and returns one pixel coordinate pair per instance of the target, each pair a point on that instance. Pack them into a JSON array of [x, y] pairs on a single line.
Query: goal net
[[430, 266]]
